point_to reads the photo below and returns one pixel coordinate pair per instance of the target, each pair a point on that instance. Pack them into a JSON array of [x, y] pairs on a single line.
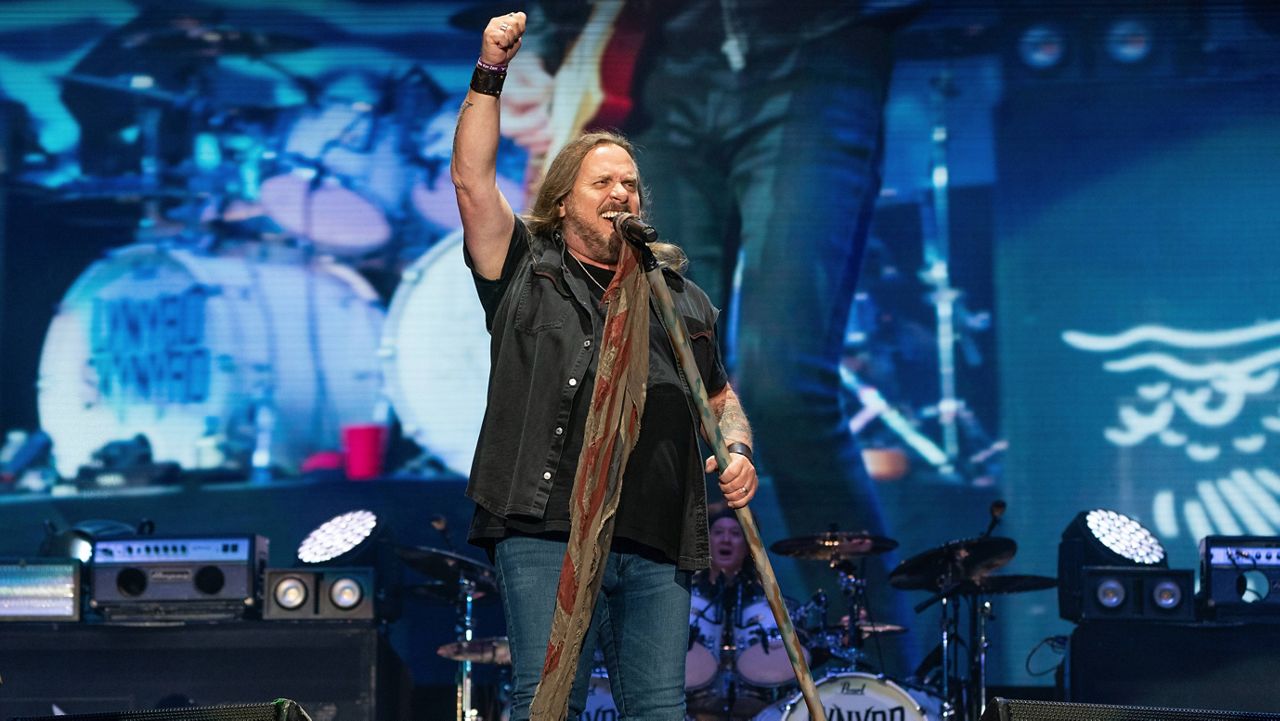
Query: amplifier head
[[193, 578], [1240, 576]]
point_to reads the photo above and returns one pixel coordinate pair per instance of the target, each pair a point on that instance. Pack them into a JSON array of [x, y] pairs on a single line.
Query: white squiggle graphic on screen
[[1198, 394]]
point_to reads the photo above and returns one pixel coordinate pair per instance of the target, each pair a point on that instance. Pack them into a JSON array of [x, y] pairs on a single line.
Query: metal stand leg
[[978, 673], [950, 708], [464, 708]]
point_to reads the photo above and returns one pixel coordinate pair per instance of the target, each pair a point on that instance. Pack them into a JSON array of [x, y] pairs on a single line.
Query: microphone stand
[[679, 336]]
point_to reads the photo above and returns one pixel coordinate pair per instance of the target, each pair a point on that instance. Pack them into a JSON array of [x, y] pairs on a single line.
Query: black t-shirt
[[654, 481]]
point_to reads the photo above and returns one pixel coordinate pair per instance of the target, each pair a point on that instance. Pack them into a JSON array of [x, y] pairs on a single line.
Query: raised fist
[[502, 38]]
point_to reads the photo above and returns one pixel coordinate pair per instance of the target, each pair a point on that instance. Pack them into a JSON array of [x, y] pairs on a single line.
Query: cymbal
[[866, 629], [967, 559], [1011, 583], [834, 546], [219, 41], [450, 569], [494, 650]]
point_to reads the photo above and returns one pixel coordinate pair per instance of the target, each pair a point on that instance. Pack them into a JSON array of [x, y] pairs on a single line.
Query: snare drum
[[853, 695], [182, 347]]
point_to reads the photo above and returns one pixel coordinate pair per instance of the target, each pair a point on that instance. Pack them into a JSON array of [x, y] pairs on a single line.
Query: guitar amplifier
[[1240, 577], [150, 578]]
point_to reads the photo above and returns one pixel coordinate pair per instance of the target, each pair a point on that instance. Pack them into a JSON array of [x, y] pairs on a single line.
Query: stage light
[[1105, 561], [1129, 41], [1125, 537], [290, 593], [346, 593], [340, 536], [1110, 593], [1166, 595], [322, 594], [1042, 46]]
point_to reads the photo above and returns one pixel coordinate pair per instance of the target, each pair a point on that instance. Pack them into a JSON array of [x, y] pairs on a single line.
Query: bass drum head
[[181, 347], [852, 695], [435, 355]]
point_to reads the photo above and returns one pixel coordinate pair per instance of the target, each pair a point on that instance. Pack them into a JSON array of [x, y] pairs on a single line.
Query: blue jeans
[[641, 623]]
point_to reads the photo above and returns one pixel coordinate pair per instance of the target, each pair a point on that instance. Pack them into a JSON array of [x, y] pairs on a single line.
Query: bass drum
[[853, 695], [435, 355], [184, 347]]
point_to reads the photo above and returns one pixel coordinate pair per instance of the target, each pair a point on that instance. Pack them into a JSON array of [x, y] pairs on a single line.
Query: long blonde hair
[[543, 216]]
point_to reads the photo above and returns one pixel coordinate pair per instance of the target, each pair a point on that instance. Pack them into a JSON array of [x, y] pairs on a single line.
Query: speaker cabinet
[[1224, 666], [337, 672], [279, 710], [1003, 709]]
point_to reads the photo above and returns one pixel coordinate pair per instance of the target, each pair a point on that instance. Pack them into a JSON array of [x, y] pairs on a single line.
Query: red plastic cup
[[362, 447]]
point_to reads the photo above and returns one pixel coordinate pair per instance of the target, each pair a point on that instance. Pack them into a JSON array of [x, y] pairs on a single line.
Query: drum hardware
[[834, 546], [845, 552], [463, 581], [950, 570], [495, 650]]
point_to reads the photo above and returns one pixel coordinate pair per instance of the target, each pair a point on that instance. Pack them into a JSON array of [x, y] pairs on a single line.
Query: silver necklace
[[590, 277]]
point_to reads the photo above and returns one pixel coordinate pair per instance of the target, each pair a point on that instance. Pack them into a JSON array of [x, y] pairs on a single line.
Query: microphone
[[634, 230], [997, 510]]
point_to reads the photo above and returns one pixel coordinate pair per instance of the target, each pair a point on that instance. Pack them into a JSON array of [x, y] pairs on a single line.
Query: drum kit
[[736, 667], [242, 329]]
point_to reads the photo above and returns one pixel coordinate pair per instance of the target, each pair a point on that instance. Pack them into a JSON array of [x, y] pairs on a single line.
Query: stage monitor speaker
[[281, 709], [337, 672], [1003, 709]]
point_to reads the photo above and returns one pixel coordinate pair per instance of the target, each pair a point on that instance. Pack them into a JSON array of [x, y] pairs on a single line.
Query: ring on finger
[[504, 27]]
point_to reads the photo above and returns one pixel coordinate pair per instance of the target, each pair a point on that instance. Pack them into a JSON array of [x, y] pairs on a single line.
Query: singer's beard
[[601, 246]]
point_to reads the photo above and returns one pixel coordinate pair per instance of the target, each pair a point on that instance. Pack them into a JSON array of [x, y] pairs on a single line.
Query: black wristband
[[487, 82], [741, 449]]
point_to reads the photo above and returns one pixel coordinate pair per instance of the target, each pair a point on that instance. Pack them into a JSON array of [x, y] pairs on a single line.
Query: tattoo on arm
[[732, 419], [465, 105]]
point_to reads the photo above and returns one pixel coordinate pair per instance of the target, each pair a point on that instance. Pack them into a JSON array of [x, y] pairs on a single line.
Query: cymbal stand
[[464, 629], [949, 623], [149, 168], [979, 615]]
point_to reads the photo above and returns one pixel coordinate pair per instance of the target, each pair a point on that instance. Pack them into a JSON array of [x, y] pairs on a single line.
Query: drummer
[[730, 562], [720, 594]]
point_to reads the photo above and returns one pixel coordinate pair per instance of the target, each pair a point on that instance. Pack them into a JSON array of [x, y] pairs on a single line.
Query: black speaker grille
[[278, 710], [1010, 710]]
